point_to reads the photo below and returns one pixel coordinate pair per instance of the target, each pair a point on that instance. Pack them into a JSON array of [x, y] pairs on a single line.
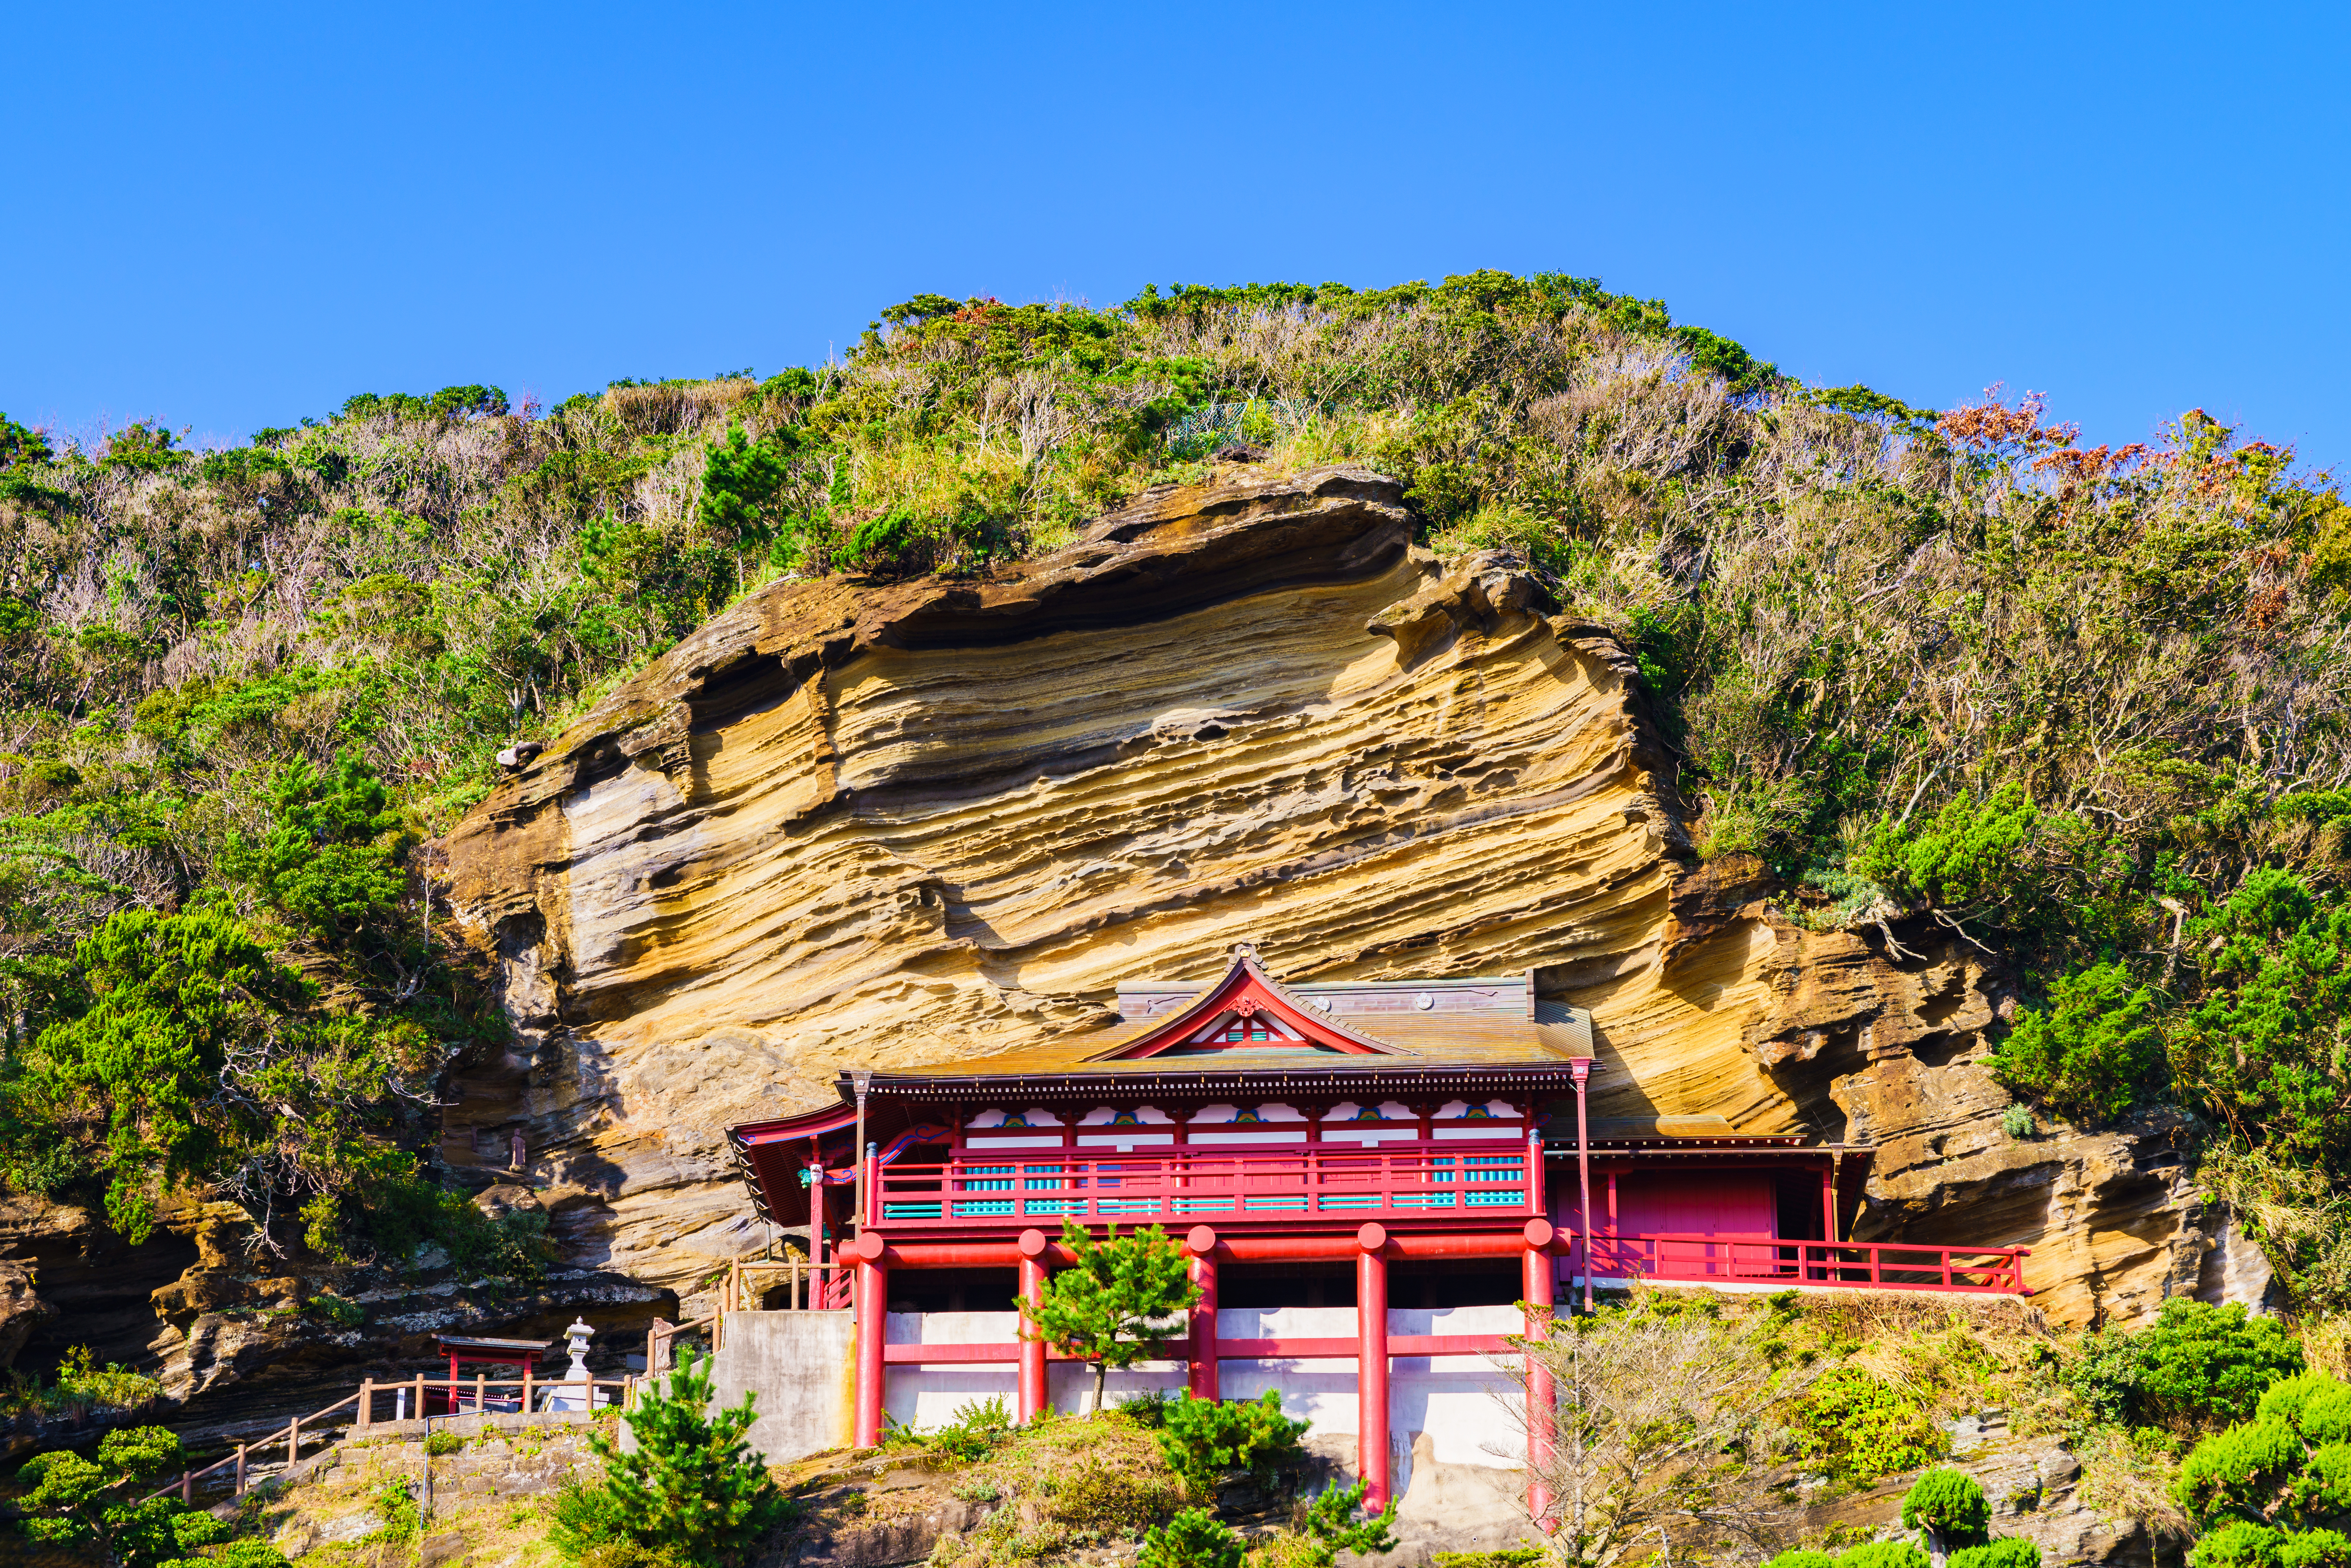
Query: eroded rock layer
[[858, 825]]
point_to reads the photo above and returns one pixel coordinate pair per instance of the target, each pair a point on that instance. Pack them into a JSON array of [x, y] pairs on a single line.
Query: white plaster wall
[[1452, 1409]]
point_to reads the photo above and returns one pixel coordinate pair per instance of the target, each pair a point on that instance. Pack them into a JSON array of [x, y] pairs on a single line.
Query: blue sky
[[229, 221]]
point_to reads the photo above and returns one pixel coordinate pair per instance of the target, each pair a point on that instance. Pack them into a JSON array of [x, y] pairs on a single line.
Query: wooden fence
[[740, 1289], [411, 1396]]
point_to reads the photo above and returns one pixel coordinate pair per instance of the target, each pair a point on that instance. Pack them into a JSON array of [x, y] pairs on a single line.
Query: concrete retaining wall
[[803, 1368]]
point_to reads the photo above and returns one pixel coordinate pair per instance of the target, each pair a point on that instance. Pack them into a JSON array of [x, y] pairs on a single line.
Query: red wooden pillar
[[873, 1326], [1201, 1378], [1541, 1278], [1372, 1365], [1036, 1392]]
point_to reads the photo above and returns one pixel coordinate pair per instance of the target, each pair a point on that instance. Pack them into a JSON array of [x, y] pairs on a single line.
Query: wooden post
[[872, 1325], [526, 1388], [419, 1411], [480, 1386], [1541, 1285], [240, 1471], [367, 1404], [1201, 1378], [293, 1440], [187, 1486], [1035, 1393], [1372, 1365]]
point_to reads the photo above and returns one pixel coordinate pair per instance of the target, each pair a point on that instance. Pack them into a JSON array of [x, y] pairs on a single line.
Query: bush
[[1949, 1504], [439, 1444], [2011, 1552], [397, 1506], [1203, 1439], [1330, 1525], [2089, 1052], [2239, 1545], [974, 1433], [2318, 1406], [693, 1491], [2315, 1549], [2239, 1471], [1854, 1424], [1529, 1556], [1193, 1539], [1883, 1554], [2201, 1365], [234, 1554], [75, 1501], [1801, 1559]]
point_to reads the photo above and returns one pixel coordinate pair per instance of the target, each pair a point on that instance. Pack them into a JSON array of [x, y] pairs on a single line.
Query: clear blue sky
[[229, 217]]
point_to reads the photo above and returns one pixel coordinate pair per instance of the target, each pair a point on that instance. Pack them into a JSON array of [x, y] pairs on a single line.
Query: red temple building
[[1367, 1176]]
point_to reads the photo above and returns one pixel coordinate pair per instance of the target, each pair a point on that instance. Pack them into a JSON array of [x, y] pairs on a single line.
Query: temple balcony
[[1313, 1187]]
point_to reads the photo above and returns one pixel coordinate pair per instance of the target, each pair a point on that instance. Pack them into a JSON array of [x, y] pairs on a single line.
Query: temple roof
[[1245, 1029]]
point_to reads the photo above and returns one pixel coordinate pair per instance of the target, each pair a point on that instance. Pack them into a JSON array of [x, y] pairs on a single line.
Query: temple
[[1409, 1163]]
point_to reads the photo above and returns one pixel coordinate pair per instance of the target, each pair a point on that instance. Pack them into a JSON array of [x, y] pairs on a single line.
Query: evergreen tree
[[693, 1492], [1112, 1307], [1193, 1539], [75, 1501]]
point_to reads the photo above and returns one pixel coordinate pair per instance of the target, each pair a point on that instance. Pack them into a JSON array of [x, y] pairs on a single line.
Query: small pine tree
[[1111, 1308], [1950, 1509], [1332, 1527], [693, 1491], [1203, 1438], [75, 1501], [1193, 1539]]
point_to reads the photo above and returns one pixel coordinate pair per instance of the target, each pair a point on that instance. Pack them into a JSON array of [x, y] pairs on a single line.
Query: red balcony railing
[[1864, 1265], [1313, 1183]]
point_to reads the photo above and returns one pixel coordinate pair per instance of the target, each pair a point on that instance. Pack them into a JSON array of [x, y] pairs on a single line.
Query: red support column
[[1372, 1365], [1201, 1378], [1036, 1392], [1541, 1278], [873, 1326]]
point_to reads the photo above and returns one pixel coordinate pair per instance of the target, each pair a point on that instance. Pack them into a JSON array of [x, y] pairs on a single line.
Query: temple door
[[1676, 1215]]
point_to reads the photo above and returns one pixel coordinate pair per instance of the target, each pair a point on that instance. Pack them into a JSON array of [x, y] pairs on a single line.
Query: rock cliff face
[[855, 825], [890, 825]]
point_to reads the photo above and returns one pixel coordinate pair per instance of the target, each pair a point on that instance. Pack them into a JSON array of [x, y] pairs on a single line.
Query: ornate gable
[[1248, 1010]]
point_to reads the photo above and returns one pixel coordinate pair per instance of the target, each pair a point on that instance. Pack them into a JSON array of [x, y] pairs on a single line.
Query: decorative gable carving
[[1247, 1010]]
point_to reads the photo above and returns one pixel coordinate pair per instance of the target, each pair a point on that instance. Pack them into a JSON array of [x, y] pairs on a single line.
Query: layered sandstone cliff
[[855, 824]]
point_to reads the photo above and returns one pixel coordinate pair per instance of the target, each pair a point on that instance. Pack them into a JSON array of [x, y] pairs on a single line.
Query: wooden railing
[[1317, 1181], [455, 1393], [1864, 1265]]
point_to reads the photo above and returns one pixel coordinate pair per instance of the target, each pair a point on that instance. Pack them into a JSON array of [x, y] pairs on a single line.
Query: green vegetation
[[692, 1493], [1949, 1506], [1944, 672], [1193, 1539], [1852, 1423], [82, 1390], [1113, 1306], [2197, 1365], [95, 1502], [1203, 1440], [2275, 1489]]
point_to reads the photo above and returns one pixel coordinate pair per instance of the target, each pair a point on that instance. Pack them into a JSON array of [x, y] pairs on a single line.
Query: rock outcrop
[[852, 823], [855, 824]]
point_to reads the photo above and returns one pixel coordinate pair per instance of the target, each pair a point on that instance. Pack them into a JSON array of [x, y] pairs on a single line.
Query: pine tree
[[1193, 1539], [692, 1493], [1112, 1307]]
